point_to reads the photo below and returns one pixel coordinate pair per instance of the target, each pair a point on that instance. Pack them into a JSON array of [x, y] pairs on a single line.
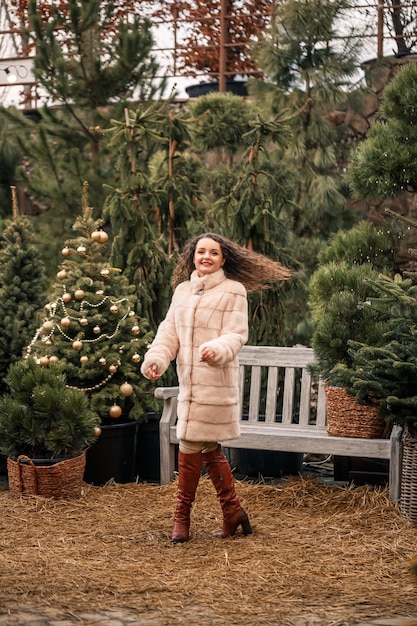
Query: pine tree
[[91, 327], [153, 204], [310, 65], [250, 204], [386, 374], [22, 286], [340, 289], [41, 417], [384, 165], [89, 61]]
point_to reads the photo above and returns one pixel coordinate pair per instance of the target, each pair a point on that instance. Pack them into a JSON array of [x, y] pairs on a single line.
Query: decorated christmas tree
[[91, 326]]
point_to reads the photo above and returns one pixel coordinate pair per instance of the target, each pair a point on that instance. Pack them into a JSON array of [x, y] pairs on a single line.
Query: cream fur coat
[[209, 310]]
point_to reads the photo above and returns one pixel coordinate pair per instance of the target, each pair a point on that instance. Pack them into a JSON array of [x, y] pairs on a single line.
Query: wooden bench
[[277, 380]]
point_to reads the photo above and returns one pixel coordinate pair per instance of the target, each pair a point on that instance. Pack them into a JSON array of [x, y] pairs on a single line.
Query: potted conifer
[[337, 292], [45, 429], [383, 167]]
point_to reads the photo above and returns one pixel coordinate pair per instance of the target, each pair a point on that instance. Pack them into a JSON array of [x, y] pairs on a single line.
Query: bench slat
[[255, 393], [305, 398], [271, 395], [321, 418], [288, 400]]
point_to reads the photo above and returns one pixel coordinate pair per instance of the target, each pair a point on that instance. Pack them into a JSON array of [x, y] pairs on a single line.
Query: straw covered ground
[[336, 553]]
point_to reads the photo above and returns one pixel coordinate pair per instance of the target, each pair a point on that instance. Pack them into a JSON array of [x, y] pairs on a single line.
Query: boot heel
[[246, 527]]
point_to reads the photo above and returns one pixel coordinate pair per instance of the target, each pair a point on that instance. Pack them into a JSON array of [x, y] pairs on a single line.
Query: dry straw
[[326, 554]]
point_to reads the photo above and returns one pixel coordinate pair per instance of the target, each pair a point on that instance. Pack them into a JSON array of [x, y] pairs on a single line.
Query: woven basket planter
[[62, 479], [408, 497], [347, 418]]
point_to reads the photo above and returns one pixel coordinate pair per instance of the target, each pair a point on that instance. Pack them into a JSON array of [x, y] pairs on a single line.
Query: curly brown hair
[[255, 271]]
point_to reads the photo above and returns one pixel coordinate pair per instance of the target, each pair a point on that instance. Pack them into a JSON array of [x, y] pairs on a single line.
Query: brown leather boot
[[189, 471], [221, 476]]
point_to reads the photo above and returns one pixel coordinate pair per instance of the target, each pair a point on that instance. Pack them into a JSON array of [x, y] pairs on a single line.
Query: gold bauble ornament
[[62, 274], [135, 330], [96, 330], [66, 251], [48, 306], [102, 361], [100, 236], [112, 369], [84, 359], [66, 297], [83, 321], [115, 411], [126, 389], [79, 294], [44, 361], [114, 309], [136, 358], [131, 313], [105, 273], [53, 359], [97, 431], [77, 345], [81, 250], [48, 325], [65, 322]]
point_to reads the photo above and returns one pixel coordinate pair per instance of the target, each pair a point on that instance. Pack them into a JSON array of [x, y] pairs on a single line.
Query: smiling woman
[[204, 329]]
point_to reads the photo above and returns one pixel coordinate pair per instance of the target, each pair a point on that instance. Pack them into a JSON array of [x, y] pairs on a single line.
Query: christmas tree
[[22, 287], [91, 326]]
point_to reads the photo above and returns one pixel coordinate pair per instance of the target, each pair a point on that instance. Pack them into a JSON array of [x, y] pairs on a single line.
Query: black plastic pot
[[265, 463], [113, 455], [147, 450], [238, 87]]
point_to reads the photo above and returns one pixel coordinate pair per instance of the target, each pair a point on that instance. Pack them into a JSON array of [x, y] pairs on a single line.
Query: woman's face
[[208, 256]]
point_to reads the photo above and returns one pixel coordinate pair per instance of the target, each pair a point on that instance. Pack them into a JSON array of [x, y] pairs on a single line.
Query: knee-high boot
[[221, 476], [189, 471]]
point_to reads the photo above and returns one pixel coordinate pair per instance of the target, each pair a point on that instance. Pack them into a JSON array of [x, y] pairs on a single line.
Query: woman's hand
[[207, 355], [152, 372]]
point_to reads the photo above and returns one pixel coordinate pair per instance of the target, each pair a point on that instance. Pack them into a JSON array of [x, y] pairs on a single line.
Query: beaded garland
[[49, 325]]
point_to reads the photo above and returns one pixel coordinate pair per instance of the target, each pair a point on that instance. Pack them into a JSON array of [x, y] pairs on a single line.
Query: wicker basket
[[62, 479], [347, 418], [408, 497]]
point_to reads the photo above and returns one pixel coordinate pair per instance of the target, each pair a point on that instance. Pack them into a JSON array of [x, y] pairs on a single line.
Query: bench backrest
[[276, 386]]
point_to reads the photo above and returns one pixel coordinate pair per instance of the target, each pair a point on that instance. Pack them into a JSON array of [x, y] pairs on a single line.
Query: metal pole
[[223, 49], [380, 44]]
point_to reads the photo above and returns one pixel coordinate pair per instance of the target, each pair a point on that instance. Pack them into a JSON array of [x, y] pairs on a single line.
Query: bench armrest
[[168, 418], [163, 393]]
